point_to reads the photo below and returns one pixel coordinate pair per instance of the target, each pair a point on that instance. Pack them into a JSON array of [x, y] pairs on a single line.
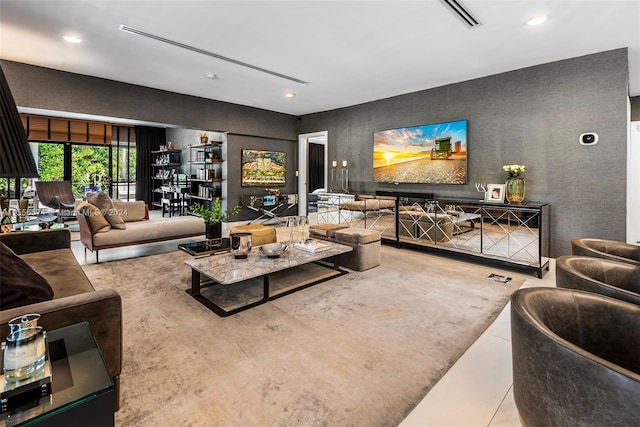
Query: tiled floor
[[477, 390]]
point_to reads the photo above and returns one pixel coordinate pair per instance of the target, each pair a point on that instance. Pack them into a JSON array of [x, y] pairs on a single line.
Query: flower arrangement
[[202, 135], [514, 171]]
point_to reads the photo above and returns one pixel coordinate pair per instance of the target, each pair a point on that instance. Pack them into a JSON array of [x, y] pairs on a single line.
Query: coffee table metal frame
[[224, 269]]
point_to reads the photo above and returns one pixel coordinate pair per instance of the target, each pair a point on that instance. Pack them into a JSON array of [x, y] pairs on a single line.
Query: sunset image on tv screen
[[427, 154]]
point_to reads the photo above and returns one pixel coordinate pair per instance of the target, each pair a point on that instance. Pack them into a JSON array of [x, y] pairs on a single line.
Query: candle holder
[[334, 165], [345, 177]]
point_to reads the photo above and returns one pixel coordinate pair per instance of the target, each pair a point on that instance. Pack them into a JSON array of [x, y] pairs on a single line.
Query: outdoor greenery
[[90, 165]]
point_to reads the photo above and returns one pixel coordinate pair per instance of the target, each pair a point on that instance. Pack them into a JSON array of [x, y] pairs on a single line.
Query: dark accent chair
[[576, 358], [608, 249], [57, 195], [614, 279]]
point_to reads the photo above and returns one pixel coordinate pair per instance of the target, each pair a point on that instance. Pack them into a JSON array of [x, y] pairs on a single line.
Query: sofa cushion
[[61, 269], [131, 211], [20, 284], [105, 204], [98, 222], [149, 230]]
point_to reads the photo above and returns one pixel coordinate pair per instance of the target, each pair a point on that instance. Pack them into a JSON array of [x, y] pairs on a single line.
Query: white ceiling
[[350, 52]]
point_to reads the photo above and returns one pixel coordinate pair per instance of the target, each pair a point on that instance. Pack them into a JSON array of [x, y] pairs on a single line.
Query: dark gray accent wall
[[531, 116], [38, 87]]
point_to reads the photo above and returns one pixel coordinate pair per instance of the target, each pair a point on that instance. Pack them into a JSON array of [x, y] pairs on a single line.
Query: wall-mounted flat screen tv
[[263, 168], [427, 154]]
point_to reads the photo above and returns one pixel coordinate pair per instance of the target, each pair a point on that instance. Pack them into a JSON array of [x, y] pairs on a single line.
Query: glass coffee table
[[224, 269]]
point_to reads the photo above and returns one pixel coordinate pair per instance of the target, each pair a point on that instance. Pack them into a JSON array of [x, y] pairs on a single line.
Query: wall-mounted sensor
[[589, 138]]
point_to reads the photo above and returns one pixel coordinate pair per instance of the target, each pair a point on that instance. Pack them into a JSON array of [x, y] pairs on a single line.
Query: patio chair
[[57, 195]]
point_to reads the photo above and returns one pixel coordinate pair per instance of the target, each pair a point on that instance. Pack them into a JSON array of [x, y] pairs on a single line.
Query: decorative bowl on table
[[273, 250]]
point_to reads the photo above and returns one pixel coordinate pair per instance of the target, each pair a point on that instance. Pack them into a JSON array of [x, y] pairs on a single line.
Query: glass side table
[[82, 390]]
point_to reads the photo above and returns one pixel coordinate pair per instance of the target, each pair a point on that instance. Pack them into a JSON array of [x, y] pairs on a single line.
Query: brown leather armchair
[[608, 249], [601, 276], [576, 358]]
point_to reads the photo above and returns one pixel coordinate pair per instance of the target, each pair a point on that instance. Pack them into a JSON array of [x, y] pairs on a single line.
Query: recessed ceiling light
[[72, 39], [211, 76], [290, 95], [537, 20]]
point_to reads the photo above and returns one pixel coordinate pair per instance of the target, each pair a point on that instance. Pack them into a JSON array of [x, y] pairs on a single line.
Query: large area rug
[[359, 350]]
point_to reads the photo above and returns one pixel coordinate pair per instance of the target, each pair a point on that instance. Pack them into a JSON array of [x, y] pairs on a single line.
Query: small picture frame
[[495, 193]]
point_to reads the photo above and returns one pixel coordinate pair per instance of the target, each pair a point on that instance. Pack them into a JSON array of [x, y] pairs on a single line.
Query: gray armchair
[[601, 276], [576, 358], [608, 249]]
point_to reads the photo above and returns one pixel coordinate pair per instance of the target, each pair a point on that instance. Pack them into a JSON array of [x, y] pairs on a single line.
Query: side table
[[82, 390]]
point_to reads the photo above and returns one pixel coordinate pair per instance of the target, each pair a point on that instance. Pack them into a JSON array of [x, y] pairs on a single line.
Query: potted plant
[[214, 216]]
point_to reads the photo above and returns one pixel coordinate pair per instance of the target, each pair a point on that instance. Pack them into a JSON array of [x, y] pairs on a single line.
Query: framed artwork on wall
[[495, 193], [263, 168]]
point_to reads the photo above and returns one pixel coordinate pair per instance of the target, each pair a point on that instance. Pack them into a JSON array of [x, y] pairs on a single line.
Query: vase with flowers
[[515, 185]]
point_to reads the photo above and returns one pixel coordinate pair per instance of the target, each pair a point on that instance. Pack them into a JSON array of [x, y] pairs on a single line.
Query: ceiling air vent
[[462, 12], [138, 32]]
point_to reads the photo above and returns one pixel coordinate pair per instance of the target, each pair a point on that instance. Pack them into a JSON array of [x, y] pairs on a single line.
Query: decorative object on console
[[263, 168], [495, 193], [482, 188], [515, 185], [345, 176], [334, 165], [426, 154]]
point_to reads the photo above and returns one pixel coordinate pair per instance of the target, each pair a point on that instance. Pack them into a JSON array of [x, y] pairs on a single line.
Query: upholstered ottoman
[[325, 231], [366, 248], [260, 234]]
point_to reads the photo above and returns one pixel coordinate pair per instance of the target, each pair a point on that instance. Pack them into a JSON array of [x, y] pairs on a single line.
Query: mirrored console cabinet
[[513, 235]]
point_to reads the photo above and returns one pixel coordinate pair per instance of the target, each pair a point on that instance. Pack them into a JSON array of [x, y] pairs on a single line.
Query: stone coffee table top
[[226, 270]]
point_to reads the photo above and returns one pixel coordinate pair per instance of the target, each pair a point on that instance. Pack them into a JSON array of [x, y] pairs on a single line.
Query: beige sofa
[[49, 254], [138, 228]]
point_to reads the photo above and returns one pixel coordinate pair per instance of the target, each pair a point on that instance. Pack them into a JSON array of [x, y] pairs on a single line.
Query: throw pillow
[[97, 221], [105, 204], [131, 211], [20, 284]]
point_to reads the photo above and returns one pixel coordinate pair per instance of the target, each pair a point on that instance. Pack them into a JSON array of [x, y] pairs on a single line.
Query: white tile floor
[[477, 390]]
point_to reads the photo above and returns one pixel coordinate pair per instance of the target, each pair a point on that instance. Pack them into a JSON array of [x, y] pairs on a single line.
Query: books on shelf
[[312, 246]]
